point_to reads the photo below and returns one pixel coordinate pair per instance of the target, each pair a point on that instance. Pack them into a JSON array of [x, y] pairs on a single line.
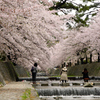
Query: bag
[[34, 70]]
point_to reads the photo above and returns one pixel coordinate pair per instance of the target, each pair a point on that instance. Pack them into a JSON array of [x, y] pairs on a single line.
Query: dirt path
[[18, 91]]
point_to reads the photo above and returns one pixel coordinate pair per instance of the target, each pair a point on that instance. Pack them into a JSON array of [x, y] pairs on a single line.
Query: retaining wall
[[93, 69], [9, 72]]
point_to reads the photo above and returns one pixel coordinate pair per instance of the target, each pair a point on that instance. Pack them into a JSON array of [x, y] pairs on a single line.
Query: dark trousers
[[34, 77]]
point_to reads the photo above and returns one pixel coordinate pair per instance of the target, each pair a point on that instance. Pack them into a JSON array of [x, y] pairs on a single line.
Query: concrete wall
[[93, 69], [21, 71], [9, 72], [1, 79]]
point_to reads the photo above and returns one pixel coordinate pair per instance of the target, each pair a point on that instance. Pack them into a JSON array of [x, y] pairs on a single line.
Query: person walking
[[63, 73], [34, 72], [85, 75]]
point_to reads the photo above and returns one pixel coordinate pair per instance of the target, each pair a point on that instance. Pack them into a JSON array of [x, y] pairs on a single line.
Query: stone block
[[65, 84], [96, 84], [76, 83], [44, 84], [55, 84]]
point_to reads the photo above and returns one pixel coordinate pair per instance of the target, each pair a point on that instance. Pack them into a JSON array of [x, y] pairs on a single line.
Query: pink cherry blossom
[[30, 33]]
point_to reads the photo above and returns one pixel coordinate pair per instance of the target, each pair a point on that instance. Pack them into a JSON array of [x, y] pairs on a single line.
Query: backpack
[[34, 70]]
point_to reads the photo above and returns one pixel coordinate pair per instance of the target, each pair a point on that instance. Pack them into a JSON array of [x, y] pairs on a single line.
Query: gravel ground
[[18, 91]]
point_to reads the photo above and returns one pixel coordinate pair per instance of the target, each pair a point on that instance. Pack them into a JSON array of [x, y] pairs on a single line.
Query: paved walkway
[[18, 91]]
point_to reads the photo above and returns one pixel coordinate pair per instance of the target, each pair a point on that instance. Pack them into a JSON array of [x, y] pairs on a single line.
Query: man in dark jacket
[[34, 72]]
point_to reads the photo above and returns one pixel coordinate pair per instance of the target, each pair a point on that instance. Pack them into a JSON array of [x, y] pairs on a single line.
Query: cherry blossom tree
[[30, 32]]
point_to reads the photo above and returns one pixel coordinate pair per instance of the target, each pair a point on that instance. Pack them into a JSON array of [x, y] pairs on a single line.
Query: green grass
[[55, 76], [1, 85], [68, 76], [27, 95]]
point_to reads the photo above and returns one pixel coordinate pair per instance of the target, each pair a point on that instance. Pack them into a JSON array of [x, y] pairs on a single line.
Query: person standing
[[85, 75], [63, 73], [34, 72]]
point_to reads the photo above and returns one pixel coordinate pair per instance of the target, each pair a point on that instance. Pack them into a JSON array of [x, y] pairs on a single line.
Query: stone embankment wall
[[9, 72], [93, 69]]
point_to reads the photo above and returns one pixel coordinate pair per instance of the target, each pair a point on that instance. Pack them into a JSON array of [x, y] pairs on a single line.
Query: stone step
[[55, 78], [65, 84]]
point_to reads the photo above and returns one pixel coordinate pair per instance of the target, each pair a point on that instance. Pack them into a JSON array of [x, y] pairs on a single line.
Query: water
[[70, 97], [70, 92]]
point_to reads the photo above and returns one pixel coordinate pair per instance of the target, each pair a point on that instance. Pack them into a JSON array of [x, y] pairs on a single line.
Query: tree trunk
[[82, 60], [98, 57], [90, 58], [86, 60]]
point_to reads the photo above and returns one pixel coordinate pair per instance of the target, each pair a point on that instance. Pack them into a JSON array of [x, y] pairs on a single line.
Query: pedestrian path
[[18, 91]]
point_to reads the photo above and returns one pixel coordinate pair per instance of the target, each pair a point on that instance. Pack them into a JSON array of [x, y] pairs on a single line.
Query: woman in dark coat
[[34, 72], [85, 75]]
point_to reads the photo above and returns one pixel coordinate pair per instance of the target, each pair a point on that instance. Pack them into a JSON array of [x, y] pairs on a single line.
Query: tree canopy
[[30, 32], [84, 10]]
